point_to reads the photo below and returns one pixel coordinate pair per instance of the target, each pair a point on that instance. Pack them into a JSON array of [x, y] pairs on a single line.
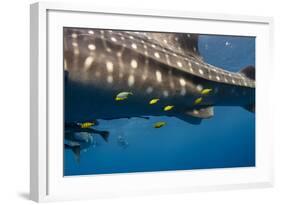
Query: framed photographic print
[[127, 102]]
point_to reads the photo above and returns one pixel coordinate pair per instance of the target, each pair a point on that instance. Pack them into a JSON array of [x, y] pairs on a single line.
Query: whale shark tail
[[249, 72]]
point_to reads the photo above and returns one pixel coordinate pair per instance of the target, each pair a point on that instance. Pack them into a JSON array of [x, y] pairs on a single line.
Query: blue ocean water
[[226, 140]]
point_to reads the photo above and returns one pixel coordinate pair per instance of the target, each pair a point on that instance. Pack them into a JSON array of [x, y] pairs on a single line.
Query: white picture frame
[[46, 177]]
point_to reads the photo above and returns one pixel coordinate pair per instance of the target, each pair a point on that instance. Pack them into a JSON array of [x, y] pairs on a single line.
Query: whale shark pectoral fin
[[202, 113], [195, 116]]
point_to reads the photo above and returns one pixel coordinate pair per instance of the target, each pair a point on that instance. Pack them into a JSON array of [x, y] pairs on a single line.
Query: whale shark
[[101, 63]]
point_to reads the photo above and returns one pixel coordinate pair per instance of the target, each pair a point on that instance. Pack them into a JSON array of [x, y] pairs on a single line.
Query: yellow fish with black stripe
[[86, 124]]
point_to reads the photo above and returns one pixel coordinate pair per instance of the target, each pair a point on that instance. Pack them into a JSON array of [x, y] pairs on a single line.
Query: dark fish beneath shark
[[99, 64], [80, 136]]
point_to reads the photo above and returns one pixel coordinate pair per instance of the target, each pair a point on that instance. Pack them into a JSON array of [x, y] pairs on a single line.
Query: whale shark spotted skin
[[99, 64]]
